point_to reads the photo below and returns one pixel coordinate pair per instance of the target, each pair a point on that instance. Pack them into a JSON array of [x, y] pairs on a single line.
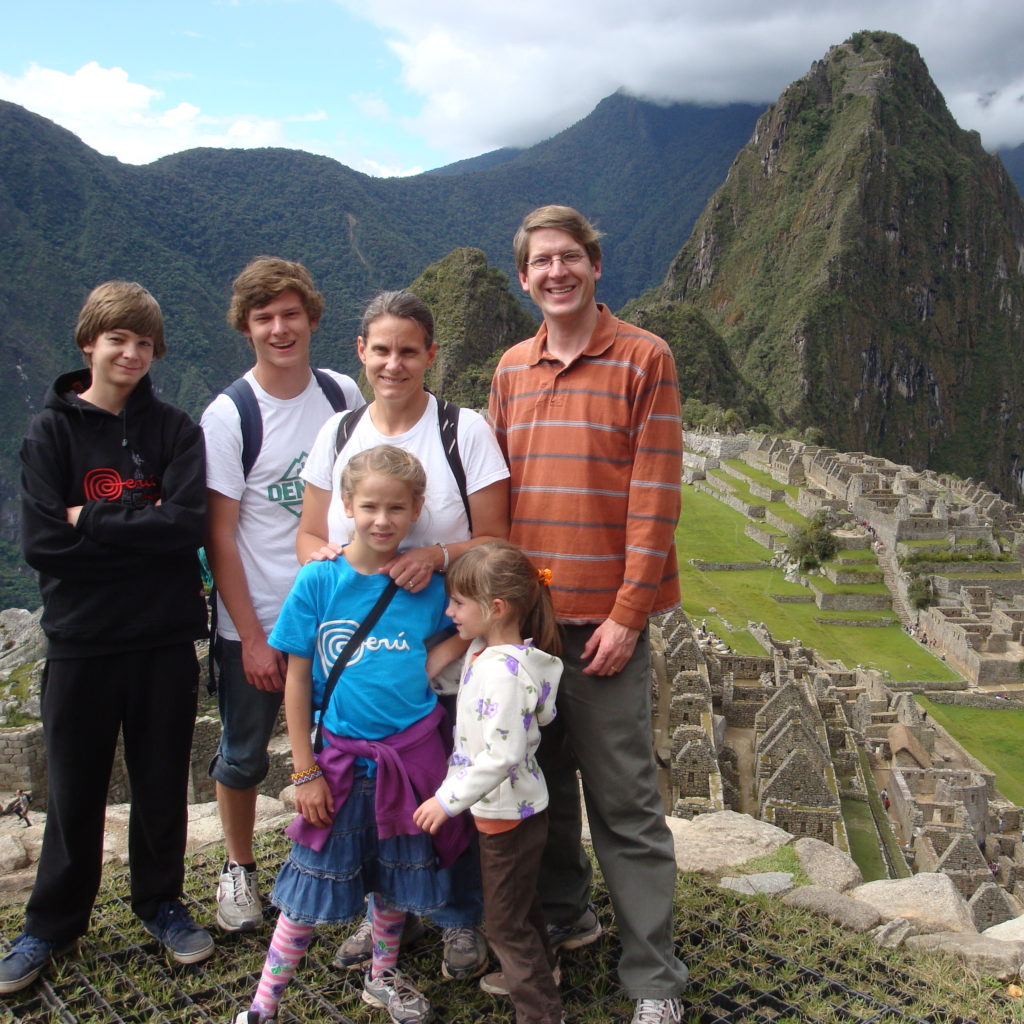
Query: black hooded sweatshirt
[[126, 577]]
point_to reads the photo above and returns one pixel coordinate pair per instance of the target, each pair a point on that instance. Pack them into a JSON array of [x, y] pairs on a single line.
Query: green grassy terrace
[[759, 476], [992, 736], [824, 584], [857, 555], [712, 531]]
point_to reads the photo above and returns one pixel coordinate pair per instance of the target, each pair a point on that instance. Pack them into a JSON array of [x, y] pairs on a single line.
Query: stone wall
[[703, 566], [763, 537], [23, 761], [844, 576], [789, 529], [721, 446], [977, 700], [23, 764], [734, 502], [828, 601]]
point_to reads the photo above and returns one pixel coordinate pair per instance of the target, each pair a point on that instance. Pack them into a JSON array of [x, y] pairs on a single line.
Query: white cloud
[[998, 115], [114, 115], [485, 75], [371, 105], [512, 74], [385, 171]]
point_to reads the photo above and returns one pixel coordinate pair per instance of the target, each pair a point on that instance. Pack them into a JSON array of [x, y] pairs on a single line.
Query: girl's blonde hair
[[499, 569], [384, 460]]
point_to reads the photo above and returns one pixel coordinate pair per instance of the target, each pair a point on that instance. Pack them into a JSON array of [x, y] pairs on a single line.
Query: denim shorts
[[247, 719]]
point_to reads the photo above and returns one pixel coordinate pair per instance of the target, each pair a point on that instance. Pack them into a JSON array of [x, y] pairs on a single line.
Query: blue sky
[[399, 86]]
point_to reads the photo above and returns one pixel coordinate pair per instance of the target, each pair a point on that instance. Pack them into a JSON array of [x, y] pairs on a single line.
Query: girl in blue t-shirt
[[384, 744]]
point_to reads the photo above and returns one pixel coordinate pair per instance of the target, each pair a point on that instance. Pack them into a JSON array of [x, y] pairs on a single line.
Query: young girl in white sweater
[[507, 692]]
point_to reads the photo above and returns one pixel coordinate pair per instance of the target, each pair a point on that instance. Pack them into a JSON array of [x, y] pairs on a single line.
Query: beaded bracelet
[[307, 776]]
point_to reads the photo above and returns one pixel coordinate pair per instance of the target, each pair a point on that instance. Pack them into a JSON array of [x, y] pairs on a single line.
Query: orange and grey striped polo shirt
[[595, 452]]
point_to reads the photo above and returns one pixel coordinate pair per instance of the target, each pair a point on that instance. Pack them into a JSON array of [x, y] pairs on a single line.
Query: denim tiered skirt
[[330, 886]]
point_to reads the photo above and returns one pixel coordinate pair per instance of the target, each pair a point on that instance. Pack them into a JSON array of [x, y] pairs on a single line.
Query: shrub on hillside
[[815, 543]]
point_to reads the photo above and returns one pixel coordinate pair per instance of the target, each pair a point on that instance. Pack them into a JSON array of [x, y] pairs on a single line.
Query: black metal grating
[[739, 974]]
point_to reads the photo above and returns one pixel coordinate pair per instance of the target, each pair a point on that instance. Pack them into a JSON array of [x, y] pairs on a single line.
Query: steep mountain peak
[[864, 263]]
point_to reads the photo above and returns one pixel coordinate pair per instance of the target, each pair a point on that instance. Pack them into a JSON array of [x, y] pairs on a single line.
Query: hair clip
[[544, 577]]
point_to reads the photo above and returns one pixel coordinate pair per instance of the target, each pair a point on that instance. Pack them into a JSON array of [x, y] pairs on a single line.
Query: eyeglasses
[[568, 259]]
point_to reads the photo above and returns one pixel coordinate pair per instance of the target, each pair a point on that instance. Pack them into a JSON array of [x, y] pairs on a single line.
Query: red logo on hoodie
[[109, 485]]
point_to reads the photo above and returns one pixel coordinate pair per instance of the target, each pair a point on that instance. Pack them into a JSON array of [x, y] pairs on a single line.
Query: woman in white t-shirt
[[396, 346]]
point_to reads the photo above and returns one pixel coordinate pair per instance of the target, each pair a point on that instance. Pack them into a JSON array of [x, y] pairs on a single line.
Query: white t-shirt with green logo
[[270, 499]]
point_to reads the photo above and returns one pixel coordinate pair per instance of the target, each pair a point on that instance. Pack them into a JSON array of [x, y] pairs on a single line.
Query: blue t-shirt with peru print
[[383, 688]]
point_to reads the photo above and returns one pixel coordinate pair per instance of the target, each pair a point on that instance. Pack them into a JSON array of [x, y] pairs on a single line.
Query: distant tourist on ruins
[[587, 414], [22, 802], [113, 510]]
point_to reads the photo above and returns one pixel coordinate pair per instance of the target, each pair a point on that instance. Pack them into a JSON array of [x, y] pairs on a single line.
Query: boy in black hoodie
[[113, 491]]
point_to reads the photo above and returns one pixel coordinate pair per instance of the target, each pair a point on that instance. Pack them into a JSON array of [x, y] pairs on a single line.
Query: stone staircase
[[899, 606]]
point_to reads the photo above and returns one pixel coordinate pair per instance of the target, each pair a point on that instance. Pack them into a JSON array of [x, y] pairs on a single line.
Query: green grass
[[856, 555], [993, 737], [745, 596], [713, 537], [864, 848], [855, 567], [824, 584], [759, 476], [786, 514]]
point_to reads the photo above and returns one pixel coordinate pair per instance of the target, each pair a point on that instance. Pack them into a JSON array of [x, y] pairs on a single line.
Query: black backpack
[[240, 392]]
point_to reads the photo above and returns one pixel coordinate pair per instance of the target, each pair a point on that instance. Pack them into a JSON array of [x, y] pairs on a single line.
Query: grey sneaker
[[657, 1011], [252, 1017], [393, 991], [582, 932], [184, 939], [26, 959], [497, 986], [357, 949], [465, 953], [238, 903]]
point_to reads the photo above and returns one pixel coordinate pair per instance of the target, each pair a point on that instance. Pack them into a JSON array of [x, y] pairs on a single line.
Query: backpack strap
[[331, 389], [448, 425], [345, 428], [241, 393]]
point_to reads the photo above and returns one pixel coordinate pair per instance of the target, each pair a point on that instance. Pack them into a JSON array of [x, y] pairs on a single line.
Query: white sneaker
[[657, 1011], [238, 903], [394, 992]]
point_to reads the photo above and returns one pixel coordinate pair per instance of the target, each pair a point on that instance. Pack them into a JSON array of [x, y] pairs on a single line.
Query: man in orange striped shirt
[[587, 414]]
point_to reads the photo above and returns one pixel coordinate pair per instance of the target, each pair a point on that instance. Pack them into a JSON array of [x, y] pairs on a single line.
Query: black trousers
[[151, 697]]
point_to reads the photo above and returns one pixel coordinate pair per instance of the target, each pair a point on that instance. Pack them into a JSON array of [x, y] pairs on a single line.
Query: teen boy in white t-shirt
[[251, 545]]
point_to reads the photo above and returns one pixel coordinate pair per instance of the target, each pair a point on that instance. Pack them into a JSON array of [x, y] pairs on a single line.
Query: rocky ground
[[19, 846]]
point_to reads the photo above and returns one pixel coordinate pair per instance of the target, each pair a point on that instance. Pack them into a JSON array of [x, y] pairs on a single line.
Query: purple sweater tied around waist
[[411, 764]]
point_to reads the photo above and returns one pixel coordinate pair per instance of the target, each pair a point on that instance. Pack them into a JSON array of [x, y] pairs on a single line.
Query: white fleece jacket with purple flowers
[[506, 694]]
